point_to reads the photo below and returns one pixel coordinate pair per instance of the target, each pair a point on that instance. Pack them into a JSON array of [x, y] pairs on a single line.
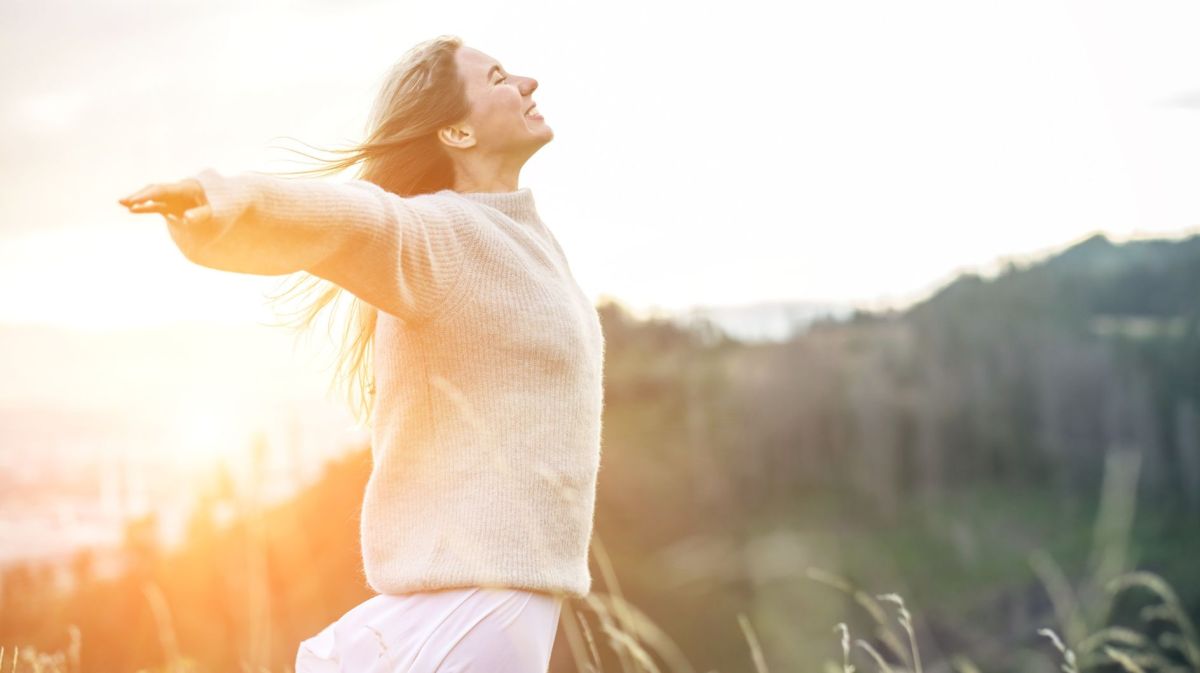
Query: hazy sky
[[705, 153]]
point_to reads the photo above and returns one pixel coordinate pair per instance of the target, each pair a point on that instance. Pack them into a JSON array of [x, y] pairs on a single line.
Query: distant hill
[[1096, 277]]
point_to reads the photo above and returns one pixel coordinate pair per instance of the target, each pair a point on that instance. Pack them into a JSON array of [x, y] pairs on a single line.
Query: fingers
[[198, 214], [154, 191], [152, 207], [172, 197], [191, 216]]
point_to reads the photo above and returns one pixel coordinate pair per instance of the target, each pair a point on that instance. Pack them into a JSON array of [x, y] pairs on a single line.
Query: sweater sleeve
[[403, 255]]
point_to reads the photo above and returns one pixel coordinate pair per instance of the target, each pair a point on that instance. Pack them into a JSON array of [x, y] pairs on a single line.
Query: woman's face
[[499, 103]]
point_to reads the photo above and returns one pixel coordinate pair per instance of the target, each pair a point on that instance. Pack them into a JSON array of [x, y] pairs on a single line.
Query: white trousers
[[469, 630]]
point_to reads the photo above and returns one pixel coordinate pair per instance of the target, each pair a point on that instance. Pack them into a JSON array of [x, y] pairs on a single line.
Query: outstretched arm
[[403, 255]]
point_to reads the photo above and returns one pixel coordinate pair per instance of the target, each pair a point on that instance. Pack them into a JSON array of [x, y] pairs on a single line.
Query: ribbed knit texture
[[488, 362]]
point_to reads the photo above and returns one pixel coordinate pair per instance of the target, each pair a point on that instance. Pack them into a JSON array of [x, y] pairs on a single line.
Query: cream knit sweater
[[488, 365]]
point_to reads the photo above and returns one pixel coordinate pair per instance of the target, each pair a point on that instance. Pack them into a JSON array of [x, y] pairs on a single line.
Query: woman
[[488, 357]]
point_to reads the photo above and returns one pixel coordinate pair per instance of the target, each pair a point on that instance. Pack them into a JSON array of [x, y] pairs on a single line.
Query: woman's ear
[[458, 136]]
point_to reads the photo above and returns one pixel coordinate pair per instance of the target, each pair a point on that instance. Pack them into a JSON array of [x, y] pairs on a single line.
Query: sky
[[705, 153]]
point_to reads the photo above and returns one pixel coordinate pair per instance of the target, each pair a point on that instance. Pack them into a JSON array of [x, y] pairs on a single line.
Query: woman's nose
[[531, 85]]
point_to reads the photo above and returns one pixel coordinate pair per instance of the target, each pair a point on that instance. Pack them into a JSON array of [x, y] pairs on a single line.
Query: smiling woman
[[488, 357]]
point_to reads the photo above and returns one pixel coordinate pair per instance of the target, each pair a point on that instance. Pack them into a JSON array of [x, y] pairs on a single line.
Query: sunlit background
[[759, 164]]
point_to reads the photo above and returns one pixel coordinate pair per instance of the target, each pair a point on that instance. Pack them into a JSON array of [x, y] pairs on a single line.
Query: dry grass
[[640, 646], [1085, 640]]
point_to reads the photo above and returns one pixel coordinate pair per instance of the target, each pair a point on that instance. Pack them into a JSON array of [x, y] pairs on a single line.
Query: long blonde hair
[[421, 92]]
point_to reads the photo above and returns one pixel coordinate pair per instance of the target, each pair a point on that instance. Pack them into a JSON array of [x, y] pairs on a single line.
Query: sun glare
[[208, 429]]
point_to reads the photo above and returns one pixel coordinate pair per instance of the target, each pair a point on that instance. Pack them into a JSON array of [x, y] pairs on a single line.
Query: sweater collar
[[518, 205]]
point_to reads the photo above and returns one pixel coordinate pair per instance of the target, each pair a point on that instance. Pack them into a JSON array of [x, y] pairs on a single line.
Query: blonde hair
[[421, 93]]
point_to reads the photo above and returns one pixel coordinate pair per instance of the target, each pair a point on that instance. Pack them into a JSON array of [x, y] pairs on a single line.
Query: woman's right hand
[[182, 201]]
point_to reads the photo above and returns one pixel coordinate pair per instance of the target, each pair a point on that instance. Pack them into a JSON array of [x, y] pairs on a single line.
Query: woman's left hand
[[183, 200]]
